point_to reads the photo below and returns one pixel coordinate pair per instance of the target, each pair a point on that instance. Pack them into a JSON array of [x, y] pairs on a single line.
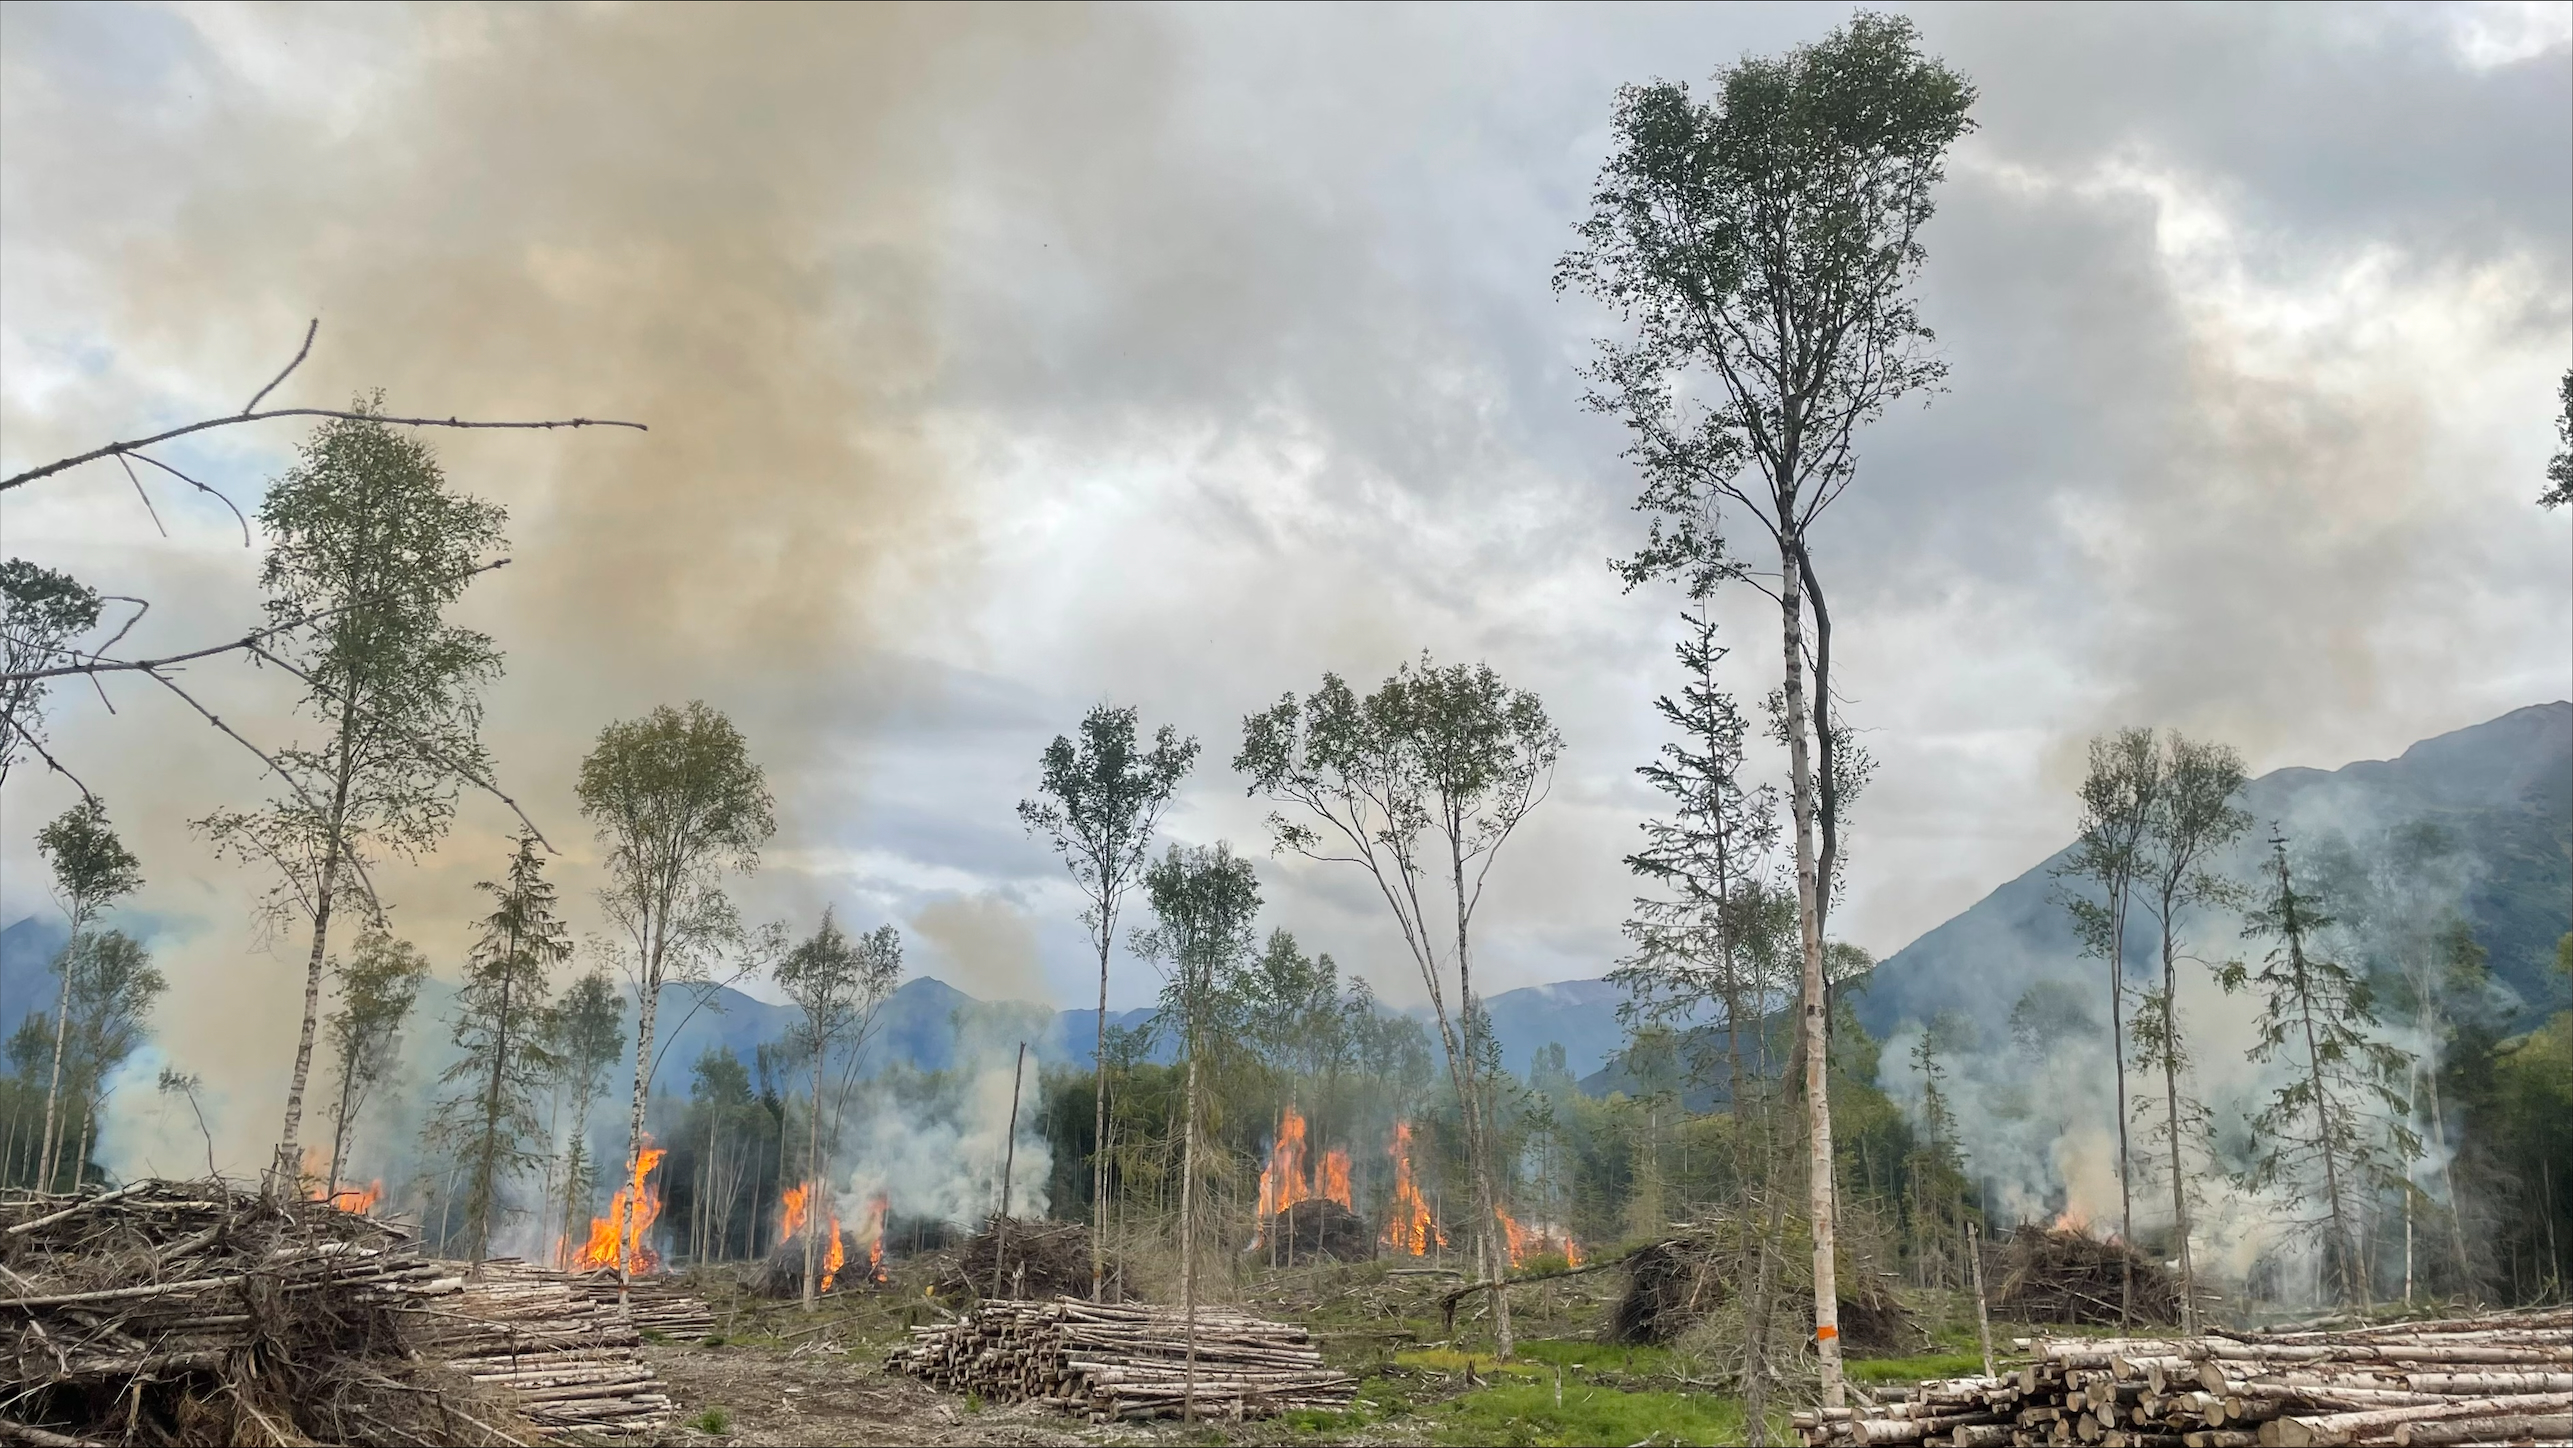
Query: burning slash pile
[[1036, 1259], [2506, 1378], [192, 1312], [1308, 1218], [1674, 1283], [2064, 1274], [782, 1275], [1113, 1361]]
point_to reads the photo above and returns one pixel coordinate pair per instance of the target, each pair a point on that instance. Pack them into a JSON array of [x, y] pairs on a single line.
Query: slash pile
[[2063, 1274], [196, 1312], [1112, 1361], [2502, 1378]]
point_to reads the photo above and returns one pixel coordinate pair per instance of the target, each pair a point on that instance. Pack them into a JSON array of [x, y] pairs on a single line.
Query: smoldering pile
[[195, 1312], [1677, 1282], [2502, 1378], [1115, 1361], [1033, 1260], [2064, 1274], [1320, 1227]]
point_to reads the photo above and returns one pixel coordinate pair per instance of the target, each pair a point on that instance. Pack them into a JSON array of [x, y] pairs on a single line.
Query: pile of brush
[[2502, 1378], [780, 1276], [1319, 1227], [1025, 1259], [196, 1312], [2064, 1274], [1124, 1361], [1677, 1282]]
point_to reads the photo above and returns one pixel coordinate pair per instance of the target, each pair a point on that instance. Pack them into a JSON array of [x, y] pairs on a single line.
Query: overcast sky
[[1002, 361]]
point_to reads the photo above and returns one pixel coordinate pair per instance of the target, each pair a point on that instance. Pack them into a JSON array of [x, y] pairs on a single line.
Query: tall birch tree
[[1101, 799], [1420, 784], [1204, 900], [678, 802], [1762, 246], [835, 984], [368, 548], [2194, 818], [41, 612], [2118, 795]]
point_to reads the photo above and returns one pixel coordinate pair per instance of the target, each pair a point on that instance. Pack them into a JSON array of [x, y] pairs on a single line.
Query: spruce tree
[[486, 1119], [2327, 1131]]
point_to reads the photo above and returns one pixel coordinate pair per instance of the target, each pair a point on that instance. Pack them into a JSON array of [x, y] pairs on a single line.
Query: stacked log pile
[[1113, 1361], [553, 1347], [196, 1312], [653, 1304], [2502, 1378]]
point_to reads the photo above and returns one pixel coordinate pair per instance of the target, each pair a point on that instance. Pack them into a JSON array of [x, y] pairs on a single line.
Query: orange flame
[[792, 1207], [1528, 1241], [2072, 1219], [871, 1231], [354, 1199], [607, 1246], [1335, 1177], [1282, 1182], [1408, 1227]]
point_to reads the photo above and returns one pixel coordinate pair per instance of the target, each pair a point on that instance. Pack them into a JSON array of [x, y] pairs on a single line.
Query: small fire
[[2072, 1219], [1528, 1241], [607, 1247], [791, 1220], [354, 1199], [1408, 1227], [1335, 1177], [871, 1231]]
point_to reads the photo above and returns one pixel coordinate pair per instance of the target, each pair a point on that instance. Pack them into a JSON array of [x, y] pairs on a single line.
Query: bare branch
[[146, 497], [206, 489], [300, 354], [52, 763], [100, 665], [118, 449]]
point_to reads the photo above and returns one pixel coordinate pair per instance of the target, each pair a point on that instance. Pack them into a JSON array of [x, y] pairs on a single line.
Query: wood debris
[[2502, 1378], [1112, 1361], [197, 1312]]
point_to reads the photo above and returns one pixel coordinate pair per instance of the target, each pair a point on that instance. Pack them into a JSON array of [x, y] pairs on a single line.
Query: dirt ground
[[827, 1394]]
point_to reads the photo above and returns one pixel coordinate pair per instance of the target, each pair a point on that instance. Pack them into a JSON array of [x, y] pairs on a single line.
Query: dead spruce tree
[[92, 870], [677, 801], [2118, 794], [1102, 799], [835, 984], [1204, 901], [2320, 1133], [1762, 245], [2192, 820], [378, 984], [1420, 784], [487, 1122], [364, 525]]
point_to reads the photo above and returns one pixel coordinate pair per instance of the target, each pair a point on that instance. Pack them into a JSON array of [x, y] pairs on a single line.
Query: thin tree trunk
[[1809, 920], [1188, 1235], [2447, 1174], [2117, 1049], [80, 1158], [1009, 1160], [813, 1188], [647, 1005], [1099, 1113], [286, 1175], [1478, 1125], [2171, 1098], [54, 1083], [478, 1206]]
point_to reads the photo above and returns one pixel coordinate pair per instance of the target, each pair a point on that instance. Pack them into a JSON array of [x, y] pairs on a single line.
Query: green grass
[[714, 1422], [1563, 1352], [1916, 1369], [1523, 1413], [1449, 1360]]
